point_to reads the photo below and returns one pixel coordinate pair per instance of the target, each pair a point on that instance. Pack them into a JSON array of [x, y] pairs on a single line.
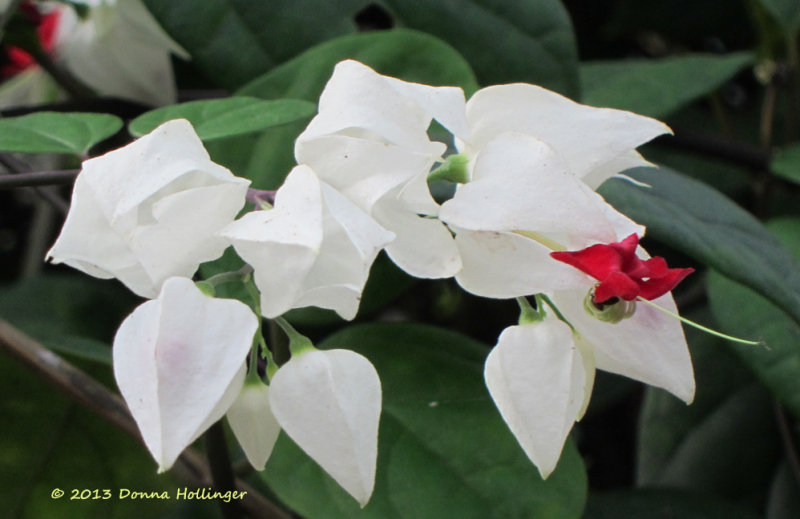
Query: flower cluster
[[526, 161]]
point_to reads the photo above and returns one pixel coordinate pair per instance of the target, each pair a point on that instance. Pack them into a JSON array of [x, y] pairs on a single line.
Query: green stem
[[272, 367], [699, 326], [227, 277], [542, 298]]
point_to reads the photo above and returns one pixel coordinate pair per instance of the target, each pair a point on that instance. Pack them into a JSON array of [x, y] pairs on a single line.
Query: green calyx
[[298, 343], [527, 313], [454, 169], [612, 311]]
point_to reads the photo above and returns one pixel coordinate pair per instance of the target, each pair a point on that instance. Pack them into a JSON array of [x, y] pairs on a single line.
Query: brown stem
[[221, 469], [38, 178], [96, 397], [67, 81]]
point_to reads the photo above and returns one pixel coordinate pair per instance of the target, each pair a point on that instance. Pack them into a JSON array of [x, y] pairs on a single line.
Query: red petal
[[657, 287], [599, 261]]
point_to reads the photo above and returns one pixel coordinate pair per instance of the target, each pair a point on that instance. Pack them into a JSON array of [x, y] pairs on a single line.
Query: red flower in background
[[18, 59], [621, 273]]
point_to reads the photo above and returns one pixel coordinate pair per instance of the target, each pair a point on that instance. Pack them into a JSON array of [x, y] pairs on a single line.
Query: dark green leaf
[[219, 118], [785, 12], [706, 225], [68, 314], [665, 421], [657, 88], [409, 55], [444, 451], [48, 443], [786, 163], [743, 312], [56, 132], [234, 41], [662, 504], [505, 41], [731, 451], [784, 499]]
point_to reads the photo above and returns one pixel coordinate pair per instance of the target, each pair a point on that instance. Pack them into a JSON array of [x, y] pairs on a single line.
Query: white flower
[[119, 50], [329, 403], [540, 375], [313, 248], [370, 142], [595, 143], [253, 424], [179, 364], [521, 204], [648, 346], [149, 210]]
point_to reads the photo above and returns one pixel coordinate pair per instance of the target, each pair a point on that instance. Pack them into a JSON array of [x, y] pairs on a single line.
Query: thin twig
[[38, 178], [96, 397], [730, 150], [74, 87], [221, 469]]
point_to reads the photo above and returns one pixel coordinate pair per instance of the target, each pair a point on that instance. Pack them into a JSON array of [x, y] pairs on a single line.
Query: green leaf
[[785, 12], [76, 315], [703, 223], [403, 53], [504, 40], [742, 311], [657, 88], [444, 451], [786, 163], [662, 504], [219, 118], [730, 451], [665, 421], [410, 55], [234, 41], [784, 499], [50, 443], [56, 132]]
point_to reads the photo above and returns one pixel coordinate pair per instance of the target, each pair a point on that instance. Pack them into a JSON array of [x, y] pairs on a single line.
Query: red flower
[[621, 273], [18, 59]]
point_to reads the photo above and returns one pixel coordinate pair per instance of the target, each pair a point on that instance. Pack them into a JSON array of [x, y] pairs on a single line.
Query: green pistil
[[700, 326]]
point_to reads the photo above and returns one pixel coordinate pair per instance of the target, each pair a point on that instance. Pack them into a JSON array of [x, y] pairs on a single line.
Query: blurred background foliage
[[722, 73]]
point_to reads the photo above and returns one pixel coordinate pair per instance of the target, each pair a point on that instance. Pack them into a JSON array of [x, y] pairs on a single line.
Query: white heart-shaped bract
[[649, 346], [521, 205], [595, 143], [253, 424], [179, 364], [149, 211], [329, 403], [315, 247], [370, 142], [358, 101], [119, 50], [537, 379]]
